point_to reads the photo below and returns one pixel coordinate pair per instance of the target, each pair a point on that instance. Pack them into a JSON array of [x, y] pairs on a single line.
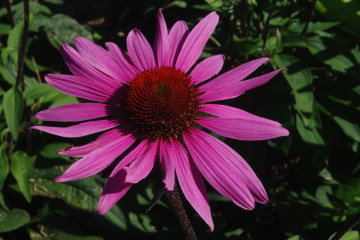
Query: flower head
[[154, 102]]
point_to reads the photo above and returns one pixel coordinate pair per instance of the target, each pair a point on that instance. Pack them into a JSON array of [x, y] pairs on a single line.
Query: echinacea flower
[[154, 103]]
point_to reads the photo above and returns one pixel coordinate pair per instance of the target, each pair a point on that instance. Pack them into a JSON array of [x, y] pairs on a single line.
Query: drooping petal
[[234, 75], [207, 68], [167, 164], [242, 129], [191, 182], [161, 46], [196, 41], [116, 187], [80, 130], [215, 163], [97, 57], [83, 88], [122, 59], [78, 112], [102, 140], [79, 67], [224, 111], [142, 166], [97, 160], [139, 50], [233, 164], [237, 88], [177, 36]]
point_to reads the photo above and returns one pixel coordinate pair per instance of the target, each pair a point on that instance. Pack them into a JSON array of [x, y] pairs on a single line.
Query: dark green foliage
[[312, 177]]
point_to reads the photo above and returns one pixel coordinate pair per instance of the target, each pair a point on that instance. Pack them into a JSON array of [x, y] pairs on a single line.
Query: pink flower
[[154, 102]]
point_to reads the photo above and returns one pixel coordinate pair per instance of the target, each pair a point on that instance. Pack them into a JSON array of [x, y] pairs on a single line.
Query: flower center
[[161, 103]]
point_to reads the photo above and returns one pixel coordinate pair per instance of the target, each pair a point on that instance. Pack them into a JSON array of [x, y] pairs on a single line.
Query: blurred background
[[312, 177]]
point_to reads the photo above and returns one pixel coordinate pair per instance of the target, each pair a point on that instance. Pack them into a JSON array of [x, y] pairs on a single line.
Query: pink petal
[[224, 111], [207, 68], [122, 59], [139, 50], [97, 160], [217, 166], [234, 163], [235, 75], [102, 140], [237, 88], [161, 47], [79, 67], [191, 182], [83, 88], [177, 36], [243, 129], [116, 187], [142, 166], [167, 164], [100, 59], [196, 41], [114, 190], [80, 130], [78, 112]]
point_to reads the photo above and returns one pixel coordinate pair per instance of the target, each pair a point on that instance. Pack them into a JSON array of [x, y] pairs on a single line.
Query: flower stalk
[[179, 210]]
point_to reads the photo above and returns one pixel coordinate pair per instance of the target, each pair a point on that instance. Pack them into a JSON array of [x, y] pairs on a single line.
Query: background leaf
[[12, 104]]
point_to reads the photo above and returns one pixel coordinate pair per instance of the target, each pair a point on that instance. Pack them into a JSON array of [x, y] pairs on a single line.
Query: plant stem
[[311, 12], [20, 75], [347, 227], [9, 13], [179, 210]]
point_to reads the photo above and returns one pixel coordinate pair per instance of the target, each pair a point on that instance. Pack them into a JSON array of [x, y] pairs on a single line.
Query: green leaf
[[21, 165], [15, 36], [62, 29], [300, 80], [13, 107], [4, 29], [346, 12], [349, 193], [64, 228], [308, 134], [50, 150], [7, 75], [332, 53], [351, 129], [13, 220], [4, 163], [39, 90], [82, 194], [350, 235], [141, 222]]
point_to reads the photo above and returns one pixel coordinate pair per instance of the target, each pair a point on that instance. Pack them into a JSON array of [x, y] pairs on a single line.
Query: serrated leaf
[[13, 107], [4, 163], [14, 219], [62, 29], [82, 194], [300, 80], [21, 165]]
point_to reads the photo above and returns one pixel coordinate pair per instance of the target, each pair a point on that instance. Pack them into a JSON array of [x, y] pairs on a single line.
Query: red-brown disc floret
[[161, 103]]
